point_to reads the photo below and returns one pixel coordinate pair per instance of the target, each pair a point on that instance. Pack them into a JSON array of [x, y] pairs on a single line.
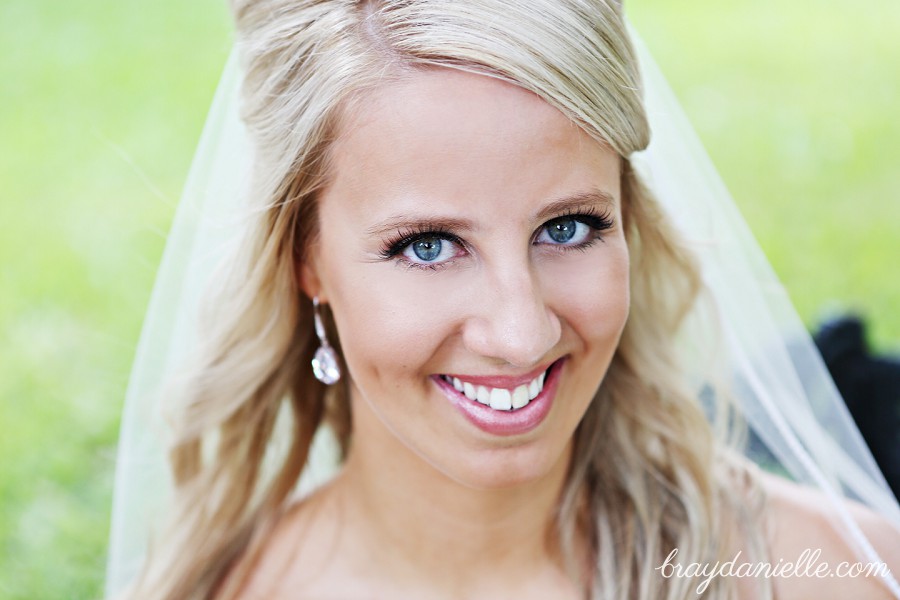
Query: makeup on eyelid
[[596, 221]]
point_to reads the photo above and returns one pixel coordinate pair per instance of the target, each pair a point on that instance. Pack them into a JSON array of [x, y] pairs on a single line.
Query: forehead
[[443, 136]]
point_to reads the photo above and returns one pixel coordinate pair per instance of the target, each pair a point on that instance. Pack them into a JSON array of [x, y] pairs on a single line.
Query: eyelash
[[393, 249]]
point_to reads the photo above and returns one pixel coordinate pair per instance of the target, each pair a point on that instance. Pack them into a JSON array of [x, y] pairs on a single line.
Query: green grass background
[[101, 104]]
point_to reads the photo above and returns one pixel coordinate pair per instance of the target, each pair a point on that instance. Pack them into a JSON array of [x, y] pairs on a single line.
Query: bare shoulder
[[296, 556], [803, 528], [258, 575]]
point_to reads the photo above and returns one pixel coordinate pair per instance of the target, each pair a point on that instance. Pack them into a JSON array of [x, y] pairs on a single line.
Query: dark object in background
[[870, 386]]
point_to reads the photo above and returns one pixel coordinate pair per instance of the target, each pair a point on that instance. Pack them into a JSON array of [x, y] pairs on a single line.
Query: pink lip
[[505, 422], [499, 381]]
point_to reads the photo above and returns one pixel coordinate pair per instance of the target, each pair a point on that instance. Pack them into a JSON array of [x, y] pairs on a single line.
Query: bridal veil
[[797, 422]]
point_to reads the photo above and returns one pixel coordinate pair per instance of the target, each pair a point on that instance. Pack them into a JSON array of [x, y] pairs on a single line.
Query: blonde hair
[[648, 474]]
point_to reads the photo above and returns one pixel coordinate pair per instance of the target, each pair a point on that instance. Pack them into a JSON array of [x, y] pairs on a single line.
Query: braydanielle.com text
[[806, 565]]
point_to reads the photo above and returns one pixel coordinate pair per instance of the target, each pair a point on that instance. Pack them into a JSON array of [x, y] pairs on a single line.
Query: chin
[[510, 467]]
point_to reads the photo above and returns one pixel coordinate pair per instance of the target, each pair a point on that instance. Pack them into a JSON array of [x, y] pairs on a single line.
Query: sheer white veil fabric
[[798, 421]]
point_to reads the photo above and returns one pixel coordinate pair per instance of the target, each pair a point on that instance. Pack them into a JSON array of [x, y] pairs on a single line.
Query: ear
[[308, 278]]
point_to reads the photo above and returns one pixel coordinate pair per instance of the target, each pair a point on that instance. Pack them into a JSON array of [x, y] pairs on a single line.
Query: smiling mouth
[[499, 398]]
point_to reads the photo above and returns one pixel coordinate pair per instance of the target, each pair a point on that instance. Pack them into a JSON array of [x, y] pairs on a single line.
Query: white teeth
[[520, 396], [501, 399], [483, 395]]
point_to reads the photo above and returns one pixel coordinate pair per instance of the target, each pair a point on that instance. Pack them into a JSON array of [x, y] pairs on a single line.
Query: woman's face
[[471, 232]]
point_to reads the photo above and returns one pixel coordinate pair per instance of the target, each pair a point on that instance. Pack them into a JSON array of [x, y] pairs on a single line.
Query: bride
[[456, 263]]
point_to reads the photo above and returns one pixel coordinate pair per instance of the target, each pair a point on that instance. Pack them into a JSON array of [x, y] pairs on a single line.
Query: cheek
[[383, 309], [592, 291]]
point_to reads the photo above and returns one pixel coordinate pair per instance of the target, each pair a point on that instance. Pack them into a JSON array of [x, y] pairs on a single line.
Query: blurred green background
[[101, 104]]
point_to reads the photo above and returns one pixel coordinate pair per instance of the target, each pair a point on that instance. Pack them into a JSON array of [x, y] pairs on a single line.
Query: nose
[[511, 320]]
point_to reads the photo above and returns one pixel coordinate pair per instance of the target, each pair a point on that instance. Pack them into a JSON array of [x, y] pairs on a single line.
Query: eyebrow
[[555, 207], [562, 205]]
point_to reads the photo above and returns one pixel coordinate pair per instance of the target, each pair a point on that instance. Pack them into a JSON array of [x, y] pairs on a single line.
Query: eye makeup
[[598, 221], [413, 233]]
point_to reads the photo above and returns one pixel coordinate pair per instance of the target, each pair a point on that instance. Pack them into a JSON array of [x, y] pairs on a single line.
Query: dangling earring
[[325, 363]]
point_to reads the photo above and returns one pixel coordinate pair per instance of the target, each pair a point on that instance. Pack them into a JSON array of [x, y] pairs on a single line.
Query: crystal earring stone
[[325, 365], [325, 362]]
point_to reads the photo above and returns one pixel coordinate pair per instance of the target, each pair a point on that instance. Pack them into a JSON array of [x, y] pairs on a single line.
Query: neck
[[423, 524]]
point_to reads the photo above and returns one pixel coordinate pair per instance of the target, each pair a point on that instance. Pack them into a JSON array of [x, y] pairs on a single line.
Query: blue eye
[[565, 231], [429, 246], [429, 249]]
